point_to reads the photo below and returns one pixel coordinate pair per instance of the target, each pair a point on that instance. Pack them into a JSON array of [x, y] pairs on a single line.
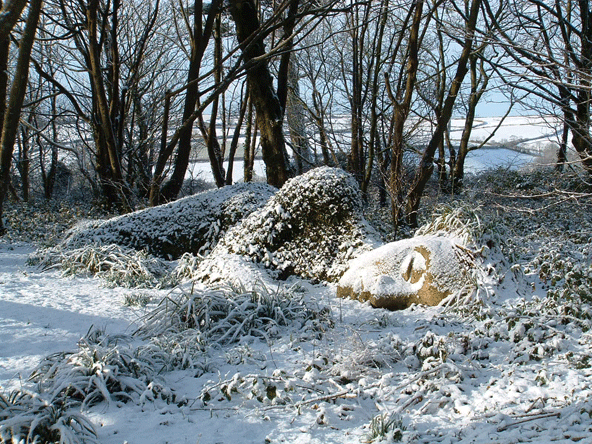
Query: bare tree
[[426, 166], [401, 98], [261, 90], [11, 113], [114, 43], [549, 55], [200, 36]]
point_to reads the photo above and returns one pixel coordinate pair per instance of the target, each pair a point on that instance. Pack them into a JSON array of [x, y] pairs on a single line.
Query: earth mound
[[310, 228], [193, 224]]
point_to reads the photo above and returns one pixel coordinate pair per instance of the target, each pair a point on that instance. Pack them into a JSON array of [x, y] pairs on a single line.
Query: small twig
[[214, 409], [418, 397], [533, 417], [342, 394], [424, 374]]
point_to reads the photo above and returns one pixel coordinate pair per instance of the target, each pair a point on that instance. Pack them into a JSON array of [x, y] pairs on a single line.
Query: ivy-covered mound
[[311, 228], [190, 225]]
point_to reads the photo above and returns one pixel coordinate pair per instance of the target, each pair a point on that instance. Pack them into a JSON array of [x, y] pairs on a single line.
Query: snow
[[44, 314], [512, 371], [492, 158], [515, 365]]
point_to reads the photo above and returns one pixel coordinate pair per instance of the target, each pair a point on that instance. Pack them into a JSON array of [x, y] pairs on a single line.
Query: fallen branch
[[533, 417], [342, 394]]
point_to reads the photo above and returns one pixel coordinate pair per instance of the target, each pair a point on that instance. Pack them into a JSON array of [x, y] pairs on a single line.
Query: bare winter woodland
[[184, 183]]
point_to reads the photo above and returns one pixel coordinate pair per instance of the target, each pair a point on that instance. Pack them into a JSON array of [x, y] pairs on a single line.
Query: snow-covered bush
[[192, 224], [227, 314], [26, 417], [186, 267], [105, 368], [311, 227], [461, 222], [43, 223], [118, 266]]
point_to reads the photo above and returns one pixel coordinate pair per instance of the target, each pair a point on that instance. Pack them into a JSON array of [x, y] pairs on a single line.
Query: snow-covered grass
[[119, 266], [288, 362]]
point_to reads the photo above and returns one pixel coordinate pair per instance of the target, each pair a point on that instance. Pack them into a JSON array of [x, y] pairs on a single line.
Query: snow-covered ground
[[519, 141], [531, 133], [514, 368], [477, 161], [42, 313]]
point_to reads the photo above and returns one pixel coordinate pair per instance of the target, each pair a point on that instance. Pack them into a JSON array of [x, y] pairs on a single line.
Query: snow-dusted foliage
[[105, 368], [225, 315], [189, 225], [311, 227], [26, 417], [44, 223], [118, 266], [299, 365], [460, 222]]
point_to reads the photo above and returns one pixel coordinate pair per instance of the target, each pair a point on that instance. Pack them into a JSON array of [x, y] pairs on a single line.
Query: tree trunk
[[581, 138], [458, 167], [15, 102], [250, 140], [261, 90], [215, 152], [199, 41], [426, 165], [110, 172], [296, 123], [24, 161], [49, 177], [235, 139], [400, 114], [562, 152], [374, 142], [356, 154]]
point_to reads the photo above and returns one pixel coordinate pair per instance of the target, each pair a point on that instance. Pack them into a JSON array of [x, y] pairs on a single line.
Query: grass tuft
[[118, 266], [26, 417], [386, 427], [229, 313], [104, 368]]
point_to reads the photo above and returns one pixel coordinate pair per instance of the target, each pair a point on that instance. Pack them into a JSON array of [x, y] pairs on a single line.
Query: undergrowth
[[229, 313], [44, 223], [104, 369], [116, 265], [27, 417], [476, 342]]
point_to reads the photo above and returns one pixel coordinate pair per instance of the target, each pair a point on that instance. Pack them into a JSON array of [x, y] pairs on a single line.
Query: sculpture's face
[[422, 270]]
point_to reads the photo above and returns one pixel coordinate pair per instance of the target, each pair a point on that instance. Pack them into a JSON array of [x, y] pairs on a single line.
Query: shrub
[[227, 314], [104, 368], [26, 417]]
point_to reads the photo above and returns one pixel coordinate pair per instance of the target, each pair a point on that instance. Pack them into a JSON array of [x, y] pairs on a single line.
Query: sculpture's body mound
[[193, 224], [310, 228]]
